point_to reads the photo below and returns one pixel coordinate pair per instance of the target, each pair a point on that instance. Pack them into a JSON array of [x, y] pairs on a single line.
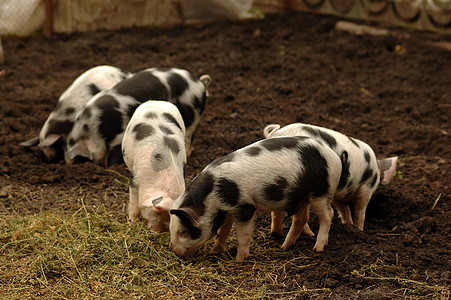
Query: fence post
[[2, 57], [288, 4], [48, 26]]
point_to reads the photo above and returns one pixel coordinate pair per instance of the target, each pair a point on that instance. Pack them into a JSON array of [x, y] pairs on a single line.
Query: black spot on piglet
[[275, 191], [367, 174], [228, 191], [59, 127], [197, 191], [318, 133], [172, 144], [253, 151], [165, 130], [171, 119], [143, 86], [159, 162], [110, 118], [344, 170], [367, 156], [69, 111], [276, 144], [187, 113], [373, 181], [142, 131], [93, 89], [178, 85], [244, 213], [220, 160], [218, 220], [354, 142], [151, 115]]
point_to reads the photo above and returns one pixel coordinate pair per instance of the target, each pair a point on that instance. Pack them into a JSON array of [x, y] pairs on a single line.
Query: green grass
[[96, 255]]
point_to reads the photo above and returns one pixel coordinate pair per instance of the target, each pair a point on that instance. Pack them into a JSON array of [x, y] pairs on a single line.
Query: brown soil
[[283, 69]]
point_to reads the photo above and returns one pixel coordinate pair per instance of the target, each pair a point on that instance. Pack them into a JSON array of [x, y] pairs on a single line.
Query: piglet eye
[[183, 233]]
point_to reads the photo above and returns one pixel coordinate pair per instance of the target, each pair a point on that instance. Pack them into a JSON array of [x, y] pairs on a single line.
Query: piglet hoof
[[286, 246], [359, 226], [319, 247], [133, 218], [242, 255], [306, 230]]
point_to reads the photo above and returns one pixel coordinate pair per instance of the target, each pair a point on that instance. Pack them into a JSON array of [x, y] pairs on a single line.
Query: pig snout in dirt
[[285, 174], [52, 137], [100, 126], [153, 148]]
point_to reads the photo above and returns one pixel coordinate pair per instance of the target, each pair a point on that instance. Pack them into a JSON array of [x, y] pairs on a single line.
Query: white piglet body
[[53, 134], [286, 174], [360, 177], [153, 148], [98, 129]]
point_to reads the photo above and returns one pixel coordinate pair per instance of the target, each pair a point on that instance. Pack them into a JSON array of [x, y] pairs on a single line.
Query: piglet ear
[[31, 142], [49, 140], [270, 130], [158, 204], [186, 214], [79, 149], [387, 168]]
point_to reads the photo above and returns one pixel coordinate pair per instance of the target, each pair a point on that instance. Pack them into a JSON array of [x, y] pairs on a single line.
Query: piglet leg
[[363, 198], [133, 206], [297, 224], [223, 233], [344, 211], [325, 213], [306, 230], [244, 237], [276, 223]]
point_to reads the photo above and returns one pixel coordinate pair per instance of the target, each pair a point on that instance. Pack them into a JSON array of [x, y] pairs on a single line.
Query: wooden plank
[[2, 56], [48, 25]]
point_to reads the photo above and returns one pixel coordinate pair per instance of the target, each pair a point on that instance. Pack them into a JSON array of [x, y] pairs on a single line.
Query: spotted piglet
[[286, 174], [53, 134], [361, 176], [98, 129], [154, 151]]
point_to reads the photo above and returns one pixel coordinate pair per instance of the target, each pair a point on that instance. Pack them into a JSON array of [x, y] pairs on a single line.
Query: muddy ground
[[392, 92]]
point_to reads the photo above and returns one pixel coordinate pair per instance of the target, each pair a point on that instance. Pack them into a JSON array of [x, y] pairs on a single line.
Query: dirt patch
[[283, 69]]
